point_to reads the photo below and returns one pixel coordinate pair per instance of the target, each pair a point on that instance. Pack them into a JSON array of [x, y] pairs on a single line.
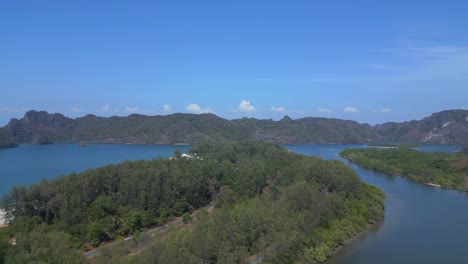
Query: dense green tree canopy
[[284, 206], [447, 170]]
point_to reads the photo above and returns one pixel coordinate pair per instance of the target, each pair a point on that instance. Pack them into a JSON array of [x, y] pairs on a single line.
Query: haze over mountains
[[40, 127]]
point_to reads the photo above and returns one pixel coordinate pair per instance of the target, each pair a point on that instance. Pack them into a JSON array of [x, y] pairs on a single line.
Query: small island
[[434, 169], [82, 144]]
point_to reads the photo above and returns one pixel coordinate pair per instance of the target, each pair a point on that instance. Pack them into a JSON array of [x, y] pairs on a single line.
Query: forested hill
[[35, 127]]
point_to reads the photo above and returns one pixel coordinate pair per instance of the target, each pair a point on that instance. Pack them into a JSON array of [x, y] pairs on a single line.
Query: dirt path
[[176, 222]]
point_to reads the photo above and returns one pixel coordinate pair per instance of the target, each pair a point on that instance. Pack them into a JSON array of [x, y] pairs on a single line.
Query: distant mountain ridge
[[40, 127]]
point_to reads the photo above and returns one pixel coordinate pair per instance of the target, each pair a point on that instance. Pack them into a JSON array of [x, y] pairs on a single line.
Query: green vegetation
[[464, 150], [44, 128], [446, 170], [6, 140], [269, 201]]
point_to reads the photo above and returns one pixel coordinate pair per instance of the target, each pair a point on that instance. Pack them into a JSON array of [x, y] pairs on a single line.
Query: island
[[251, 199], [82, 144]]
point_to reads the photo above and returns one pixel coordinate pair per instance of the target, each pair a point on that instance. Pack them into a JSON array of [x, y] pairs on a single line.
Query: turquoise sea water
[[29, 164], [423, 224]]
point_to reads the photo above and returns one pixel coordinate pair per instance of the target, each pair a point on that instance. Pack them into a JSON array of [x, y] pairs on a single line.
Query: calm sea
[[29, 164]]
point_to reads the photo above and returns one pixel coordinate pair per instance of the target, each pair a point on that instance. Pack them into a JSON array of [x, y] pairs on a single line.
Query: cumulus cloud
[[195, 108], [279, 109], [131, 109], [105, 108], [246, 106], [350, 109], [167, 108], [324, 110]]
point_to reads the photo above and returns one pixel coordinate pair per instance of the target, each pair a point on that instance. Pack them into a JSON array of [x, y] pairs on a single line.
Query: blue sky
[[370, 61]]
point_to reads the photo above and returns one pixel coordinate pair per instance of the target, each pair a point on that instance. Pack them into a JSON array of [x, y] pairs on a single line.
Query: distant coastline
[[36, 127], [381, 147]]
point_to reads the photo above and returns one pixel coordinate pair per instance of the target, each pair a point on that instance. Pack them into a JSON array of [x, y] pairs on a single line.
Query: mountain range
[[40, 127]]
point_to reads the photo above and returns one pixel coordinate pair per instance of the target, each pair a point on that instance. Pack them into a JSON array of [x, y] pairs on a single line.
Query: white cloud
[[131, 109], [386, 110], [350, 109], [167, 108], [195, 108], [324, 110], [246, 106], [105, 108], [279, 109]]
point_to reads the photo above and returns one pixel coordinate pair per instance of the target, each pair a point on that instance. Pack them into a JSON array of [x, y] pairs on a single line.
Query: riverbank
[[361, 235], [259, 257], [435, 169]]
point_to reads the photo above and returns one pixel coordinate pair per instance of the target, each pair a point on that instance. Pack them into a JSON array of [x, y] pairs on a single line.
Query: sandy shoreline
[[433, 184]]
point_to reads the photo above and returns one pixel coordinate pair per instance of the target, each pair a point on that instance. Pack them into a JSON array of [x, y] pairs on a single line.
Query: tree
[[177, 154], [186, 218]]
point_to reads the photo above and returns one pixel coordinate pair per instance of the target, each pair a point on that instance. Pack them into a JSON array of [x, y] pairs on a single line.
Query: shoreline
[[459, 189], [381, 147], [260, 256], [433, 184], [353, 239]]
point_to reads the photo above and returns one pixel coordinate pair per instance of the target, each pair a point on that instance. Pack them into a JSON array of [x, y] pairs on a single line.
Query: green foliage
[[4, 247], [304, 209], [42, 244], [6, 139], [186, 218], [464, 151], [447, 170], [268, 201]]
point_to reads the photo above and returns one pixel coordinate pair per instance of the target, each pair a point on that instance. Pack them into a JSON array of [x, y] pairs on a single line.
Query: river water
[[423, 224]]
